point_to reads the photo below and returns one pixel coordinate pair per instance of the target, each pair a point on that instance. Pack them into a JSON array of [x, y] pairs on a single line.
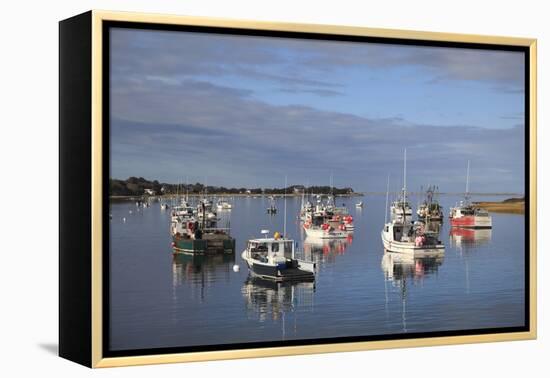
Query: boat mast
[[387, 199], [284, 222], [404, 185], [467, 194], [186, 189], [405, 174], [331, 189]]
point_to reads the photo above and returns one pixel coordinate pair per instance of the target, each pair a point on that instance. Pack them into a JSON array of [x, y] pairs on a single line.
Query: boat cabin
[[399, 230], [270, 250], [468, 210]]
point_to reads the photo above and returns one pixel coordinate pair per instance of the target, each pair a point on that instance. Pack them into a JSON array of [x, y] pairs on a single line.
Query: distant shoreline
[[510, 206], [513, 205], [225, 195]]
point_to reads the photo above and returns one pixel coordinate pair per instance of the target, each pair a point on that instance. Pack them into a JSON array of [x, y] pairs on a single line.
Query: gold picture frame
[[90, 329]]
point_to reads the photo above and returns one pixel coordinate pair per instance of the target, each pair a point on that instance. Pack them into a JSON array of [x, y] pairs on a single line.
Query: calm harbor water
[[158, 300]]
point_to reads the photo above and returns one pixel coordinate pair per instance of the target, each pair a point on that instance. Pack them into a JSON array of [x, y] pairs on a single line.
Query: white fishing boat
[[400, 235], [306, 208], [204, 210], [318, 227], [359, 205], [274, 258], [410, 238], [182, 211], [224, 205], [324, 220], [272, 209]]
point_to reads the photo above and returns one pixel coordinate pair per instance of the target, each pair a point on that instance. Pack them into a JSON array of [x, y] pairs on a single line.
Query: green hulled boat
[[210, 243]]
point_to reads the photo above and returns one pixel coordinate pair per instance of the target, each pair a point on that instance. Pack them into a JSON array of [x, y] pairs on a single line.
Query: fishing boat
[[324, 220], [318, 226], [163, 206], [204, 210], [272, 209], [274, 258], [181, 211], [400, 209], [306, 207], [467, 215], [401, 235], [192, 237], [224, 205], [410, 238], [359, 205], [430, 209]]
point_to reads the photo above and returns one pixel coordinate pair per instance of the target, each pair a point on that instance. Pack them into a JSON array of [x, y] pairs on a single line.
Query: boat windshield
[[258, 251]]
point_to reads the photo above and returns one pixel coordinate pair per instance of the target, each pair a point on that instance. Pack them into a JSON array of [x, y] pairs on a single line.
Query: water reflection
[[468, 237], [199, 272], [401, 269], [266, 299], [398, 268], [466, 240], [325, 250]]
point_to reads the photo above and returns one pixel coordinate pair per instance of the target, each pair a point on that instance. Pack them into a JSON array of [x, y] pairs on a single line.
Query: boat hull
[[203, 246], [410, 248], [323, 234], [471, 221], [276, 273]]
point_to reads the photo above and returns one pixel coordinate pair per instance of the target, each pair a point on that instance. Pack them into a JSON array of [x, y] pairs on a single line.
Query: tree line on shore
[[138, 186]]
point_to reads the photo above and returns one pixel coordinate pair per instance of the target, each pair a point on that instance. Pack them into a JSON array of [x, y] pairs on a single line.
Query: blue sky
[[246, 111]]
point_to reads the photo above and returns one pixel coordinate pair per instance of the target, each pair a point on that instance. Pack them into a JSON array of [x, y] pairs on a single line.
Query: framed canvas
[[234, 189]]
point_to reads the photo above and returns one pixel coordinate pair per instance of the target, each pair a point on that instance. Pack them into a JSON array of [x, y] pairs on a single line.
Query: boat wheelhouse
[[274, 258]]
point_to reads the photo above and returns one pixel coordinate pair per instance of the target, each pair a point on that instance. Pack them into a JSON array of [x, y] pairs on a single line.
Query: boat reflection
[[200, 271], [400, 269], [466, 240], [267, 299], [468, 237], [317, 250]]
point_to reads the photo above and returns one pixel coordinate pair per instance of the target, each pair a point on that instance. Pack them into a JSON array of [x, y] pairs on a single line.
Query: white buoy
[[236, 268], [130, 211], [124, 219]]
